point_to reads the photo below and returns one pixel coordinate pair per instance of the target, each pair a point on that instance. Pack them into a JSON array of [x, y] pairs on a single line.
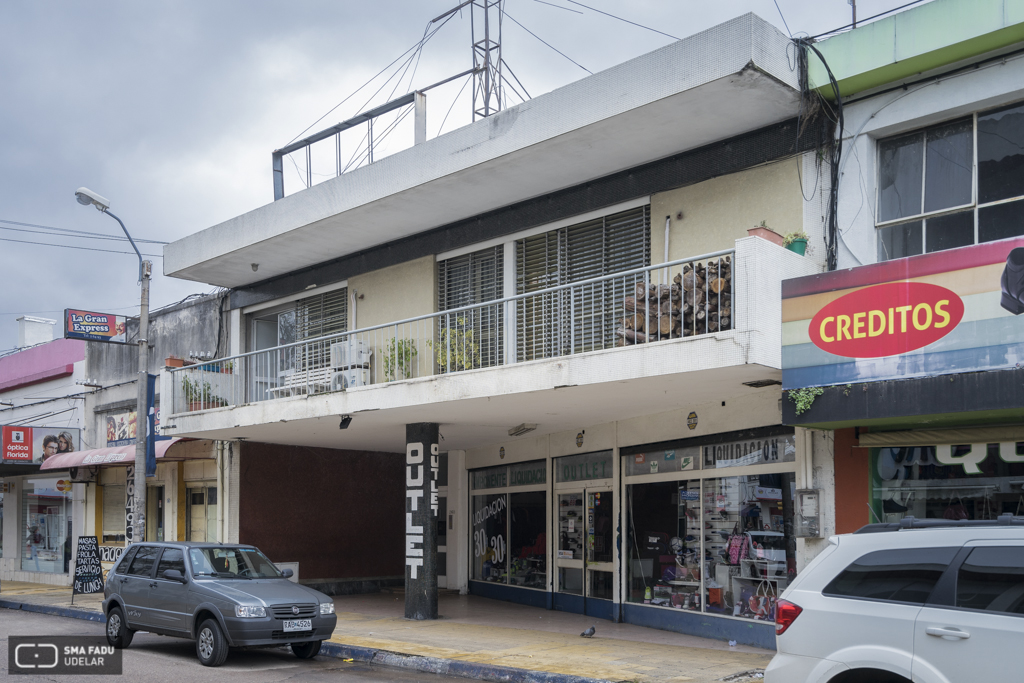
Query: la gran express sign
[[886, 320]]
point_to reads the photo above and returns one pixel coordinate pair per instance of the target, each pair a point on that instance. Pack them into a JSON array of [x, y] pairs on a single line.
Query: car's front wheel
[[118, 633], [306, 650], [211, 647]]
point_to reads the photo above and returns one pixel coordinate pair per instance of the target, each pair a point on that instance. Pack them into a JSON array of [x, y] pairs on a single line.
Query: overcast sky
[[171, 109]]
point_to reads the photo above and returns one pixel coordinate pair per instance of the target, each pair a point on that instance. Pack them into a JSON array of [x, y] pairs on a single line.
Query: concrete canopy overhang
[[725, 81], [478, 407]]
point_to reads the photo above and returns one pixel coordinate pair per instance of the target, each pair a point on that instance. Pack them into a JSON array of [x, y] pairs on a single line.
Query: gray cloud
[[171, 109]]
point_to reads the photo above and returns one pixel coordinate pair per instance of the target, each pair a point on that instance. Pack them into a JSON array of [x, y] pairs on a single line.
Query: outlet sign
[[886, 320]]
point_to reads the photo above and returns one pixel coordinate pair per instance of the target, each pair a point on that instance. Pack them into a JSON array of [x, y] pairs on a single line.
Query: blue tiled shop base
[[522, 596], [756, 633]]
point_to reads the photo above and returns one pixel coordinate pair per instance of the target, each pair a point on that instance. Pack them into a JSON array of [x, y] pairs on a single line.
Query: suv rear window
[[900, 575], [992, 579]]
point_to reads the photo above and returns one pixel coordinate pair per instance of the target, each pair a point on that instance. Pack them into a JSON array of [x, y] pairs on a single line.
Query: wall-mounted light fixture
[[346, 420]]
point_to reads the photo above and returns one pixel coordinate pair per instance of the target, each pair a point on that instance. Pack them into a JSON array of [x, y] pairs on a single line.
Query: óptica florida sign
[[946, 312]]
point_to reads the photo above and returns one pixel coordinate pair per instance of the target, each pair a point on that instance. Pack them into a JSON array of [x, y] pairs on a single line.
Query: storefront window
[[528, 545], [749, 547], [720, 545], [46, 525], [1, 522], [489, 539], [979, 481], [508, 534]]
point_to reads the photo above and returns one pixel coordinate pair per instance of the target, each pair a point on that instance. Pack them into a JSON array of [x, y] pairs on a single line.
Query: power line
[[83, 233], [594, 9], [71, 246], [549, 44]]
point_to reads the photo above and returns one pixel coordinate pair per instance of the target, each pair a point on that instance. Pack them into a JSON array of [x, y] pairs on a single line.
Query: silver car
[[219, 595]]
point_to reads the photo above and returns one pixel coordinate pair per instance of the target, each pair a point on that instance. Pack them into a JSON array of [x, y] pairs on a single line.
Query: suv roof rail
[[911, 522]]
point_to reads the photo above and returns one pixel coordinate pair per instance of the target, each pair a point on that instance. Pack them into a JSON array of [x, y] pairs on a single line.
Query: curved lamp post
[[86, 197]]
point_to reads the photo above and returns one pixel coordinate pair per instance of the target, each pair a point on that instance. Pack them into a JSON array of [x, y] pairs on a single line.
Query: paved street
[[155, 658]]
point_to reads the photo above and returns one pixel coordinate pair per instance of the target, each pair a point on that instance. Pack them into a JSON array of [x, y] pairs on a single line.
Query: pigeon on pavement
[[588, 633]]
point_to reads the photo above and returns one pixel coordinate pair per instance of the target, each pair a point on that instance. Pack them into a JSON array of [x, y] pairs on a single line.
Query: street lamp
[[86, 197]]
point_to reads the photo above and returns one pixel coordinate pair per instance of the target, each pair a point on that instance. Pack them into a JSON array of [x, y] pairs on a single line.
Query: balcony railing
[[683, 298]]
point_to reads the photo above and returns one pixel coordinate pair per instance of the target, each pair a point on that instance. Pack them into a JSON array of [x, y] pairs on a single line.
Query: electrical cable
[[72, 233], [835, 145], [594, 9], [549, 44], [70, 246]]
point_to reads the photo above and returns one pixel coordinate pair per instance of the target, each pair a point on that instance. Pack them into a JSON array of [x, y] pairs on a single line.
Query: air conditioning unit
[[350, 353], [349, 378]]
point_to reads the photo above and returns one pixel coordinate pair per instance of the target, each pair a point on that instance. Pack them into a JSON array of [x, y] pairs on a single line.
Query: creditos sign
[[886, 320]]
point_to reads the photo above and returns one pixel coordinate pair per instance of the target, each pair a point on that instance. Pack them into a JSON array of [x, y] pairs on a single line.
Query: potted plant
[[765, 233], [199, 395], [398, 355], [796, 241], [456, 348]]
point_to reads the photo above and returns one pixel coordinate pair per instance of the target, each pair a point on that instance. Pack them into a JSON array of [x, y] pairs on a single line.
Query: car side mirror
[[287, 572], [175, 575]]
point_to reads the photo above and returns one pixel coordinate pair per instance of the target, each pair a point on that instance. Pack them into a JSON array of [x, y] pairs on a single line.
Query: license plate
[[298, 625]]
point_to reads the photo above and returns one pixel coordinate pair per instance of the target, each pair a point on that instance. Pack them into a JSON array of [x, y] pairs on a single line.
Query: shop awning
[[934, 437], [120, 455]]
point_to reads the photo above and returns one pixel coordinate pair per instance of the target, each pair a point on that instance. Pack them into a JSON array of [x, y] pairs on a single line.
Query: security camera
[[85, 197]]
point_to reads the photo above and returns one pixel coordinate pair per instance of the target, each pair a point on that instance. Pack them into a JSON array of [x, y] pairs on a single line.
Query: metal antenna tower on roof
[[485, 19]]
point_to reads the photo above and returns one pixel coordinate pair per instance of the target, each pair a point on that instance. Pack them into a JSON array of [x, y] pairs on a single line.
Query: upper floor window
[[952, 185]]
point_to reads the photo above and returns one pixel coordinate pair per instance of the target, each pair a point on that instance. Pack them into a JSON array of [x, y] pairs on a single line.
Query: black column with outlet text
[[421, 465]]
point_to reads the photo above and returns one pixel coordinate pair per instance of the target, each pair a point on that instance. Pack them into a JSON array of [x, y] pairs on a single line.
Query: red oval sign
[[886, 320]]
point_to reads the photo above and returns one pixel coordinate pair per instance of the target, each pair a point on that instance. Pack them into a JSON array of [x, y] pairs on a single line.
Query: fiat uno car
[[923, 600], [221, 596]]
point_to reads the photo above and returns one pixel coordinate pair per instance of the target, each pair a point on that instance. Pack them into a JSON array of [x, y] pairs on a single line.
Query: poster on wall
[[36, 444], [952, 311], [92, 326], [122, 429]]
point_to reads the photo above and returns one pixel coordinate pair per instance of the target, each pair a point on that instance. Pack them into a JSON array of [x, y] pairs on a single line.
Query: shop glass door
[[600, 541], [586, 541], [569, 562]]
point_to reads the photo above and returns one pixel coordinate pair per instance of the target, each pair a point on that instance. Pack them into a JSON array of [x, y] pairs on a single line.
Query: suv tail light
[[785, 614]]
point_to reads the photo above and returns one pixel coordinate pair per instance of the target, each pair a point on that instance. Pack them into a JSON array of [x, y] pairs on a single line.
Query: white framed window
[[951, 185]]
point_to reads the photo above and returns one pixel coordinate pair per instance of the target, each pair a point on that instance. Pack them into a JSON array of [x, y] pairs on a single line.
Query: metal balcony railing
[[683, 298]]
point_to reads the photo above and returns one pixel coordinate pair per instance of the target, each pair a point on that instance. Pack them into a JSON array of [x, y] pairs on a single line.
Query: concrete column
[[421, 466]]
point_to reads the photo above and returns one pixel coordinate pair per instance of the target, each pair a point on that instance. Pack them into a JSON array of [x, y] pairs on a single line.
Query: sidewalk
[[487, 639]]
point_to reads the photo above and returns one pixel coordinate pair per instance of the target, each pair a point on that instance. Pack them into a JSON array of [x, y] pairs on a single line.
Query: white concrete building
[[501, 281]]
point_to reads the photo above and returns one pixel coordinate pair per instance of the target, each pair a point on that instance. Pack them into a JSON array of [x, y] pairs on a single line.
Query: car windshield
[[232, 563]]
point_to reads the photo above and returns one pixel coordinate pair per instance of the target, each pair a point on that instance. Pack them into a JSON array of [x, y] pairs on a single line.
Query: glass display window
[[968, 481], [46, 525], [509, 524], [702, 542]]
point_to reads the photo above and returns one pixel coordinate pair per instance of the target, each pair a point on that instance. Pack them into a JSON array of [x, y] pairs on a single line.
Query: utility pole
[[853, 4], [142, 409]]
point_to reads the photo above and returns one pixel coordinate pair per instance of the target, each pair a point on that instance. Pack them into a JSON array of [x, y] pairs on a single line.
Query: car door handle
[[153, 584], [940, 632]]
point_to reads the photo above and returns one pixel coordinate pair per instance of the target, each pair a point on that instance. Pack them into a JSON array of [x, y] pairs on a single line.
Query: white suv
[[928, 601]]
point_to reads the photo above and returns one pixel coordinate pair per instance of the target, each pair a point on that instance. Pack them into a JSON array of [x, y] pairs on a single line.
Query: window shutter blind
[[476, 337], [113, 510], [603, 246], [317, 316]]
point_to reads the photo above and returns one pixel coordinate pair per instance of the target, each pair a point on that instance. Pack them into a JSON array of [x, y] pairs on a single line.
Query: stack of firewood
[[698, 301]]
